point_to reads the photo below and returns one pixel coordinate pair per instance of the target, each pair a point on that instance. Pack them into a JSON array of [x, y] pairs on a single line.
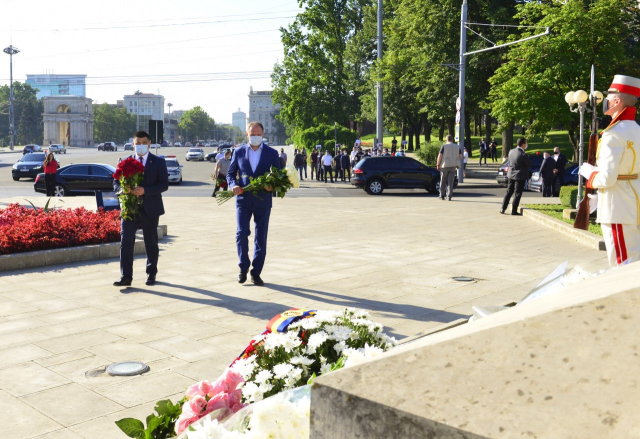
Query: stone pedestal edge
[[582, 236]]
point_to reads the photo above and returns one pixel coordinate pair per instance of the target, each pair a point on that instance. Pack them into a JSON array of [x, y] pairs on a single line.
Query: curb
[[582, 236], [45, 258]]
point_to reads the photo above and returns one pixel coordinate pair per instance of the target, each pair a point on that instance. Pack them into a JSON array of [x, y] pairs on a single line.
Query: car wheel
[[65, 151], [526, 184], [435, 186], [374, 186], [212, 159], [59, 191], [180, 182], [16, 178]]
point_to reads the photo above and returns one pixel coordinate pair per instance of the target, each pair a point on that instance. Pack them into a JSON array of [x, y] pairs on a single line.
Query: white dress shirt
[[144, 158], [254, 157], [327, 159]]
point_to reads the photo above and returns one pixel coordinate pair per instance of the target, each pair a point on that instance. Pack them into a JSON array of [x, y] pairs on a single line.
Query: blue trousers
[[128, 230], [261, 226]]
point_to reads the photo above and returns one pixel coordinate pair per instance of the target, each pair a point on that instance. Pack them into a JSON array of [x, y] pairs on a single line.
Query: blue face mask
[[142, 149]]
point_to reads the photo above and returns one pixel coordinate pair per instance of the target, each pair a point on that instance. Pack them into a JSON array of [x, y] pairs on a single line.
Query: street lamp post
[[137, 93], [379, 128], [11, 51]]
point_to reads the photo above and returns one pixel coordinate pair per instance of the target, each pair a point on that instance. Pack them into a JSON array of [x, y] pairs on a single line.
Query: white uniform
[[616, 178]]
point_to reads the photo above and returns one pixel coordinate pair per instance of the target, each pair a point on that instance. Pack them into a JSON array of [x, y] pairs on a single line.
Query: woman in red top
[[50, 167]]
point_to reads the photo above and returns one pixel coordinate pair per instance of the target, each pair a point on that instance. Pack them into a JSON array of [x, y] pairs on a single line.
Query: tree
[[530, 87], [196, 124], [112, 123], [28, 111]]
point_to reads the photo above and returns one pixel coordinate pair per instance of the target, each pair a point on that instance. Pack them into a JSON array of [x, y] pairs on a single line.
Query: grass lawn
[[555, 211], [535, 144]]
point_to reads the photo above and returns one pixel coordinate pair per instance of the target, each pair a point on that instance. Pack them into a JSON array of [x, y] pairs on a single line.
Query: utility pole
[[12, 132], [137, 93], [379, 130], [460, 123]]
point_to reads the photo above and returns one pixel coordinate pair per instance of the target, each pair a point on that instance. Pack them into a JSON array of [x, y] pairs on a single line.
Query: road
[[197, 180]]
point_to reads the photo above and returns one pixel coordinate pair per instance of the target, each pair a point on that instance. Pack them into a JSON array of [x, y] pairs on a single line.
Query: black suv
[[374, 174]]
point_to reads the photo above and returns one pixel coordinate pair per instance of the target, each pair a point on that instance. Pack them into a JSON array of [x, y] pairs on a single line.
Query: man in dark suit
[[483, 151], [547, 175], [519, 166], [345, 165], [252, 160], [156, 181], [561, 163]]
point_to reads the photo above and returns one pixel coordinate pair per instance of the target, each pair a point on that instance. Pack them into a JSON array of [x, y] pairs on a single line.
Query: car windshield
[[33, 158], [195, 150], [172, 164]]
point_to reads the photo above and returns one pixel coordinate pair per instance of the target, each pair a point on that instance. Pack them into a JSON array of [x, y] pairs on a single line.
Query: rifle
[[582, 216]]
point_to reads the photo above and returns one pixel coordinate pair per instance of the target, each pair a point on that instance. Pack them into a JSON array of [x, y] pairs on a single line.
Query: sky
[[193, 52]]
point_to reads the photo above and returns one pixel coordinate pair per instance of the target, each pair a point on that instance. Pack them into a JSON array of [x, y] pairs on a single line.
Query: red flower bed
[[23, 229]]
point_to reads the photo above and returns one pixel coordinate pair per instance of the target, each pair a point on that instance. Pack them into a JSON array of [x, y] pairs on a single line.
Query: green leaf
[[154, 423], [165, 407], [32, 205], [131, 427]]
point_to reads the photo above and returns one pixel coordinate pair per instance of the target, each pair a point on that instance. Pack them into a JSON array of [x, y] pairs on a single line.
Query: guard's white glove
[[593, 202], [586, 170]]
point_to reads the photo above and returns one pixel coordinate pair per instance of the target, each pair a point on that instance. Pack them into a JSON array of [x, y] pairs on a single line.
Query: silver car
[[195, 154], [56, 147], [174, 169]]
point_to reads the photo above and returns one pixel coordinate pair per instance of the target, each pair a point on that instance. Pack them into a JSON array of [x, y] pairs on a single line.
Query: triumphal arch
[[68, 120]]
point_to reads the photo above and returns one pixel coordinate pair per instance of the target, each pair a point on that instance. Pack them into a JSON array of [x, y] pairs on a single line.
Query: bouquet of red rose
[[130, 173]]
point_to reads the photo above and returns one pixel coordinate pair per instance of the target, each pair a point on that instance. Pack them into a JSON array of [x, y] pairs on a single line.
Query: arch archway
[[64, 128]]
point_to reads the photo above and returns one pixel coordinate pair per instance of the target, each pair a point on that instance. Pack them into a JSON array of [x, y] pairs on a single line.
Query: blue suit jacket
[[240, 171], [156, 181]]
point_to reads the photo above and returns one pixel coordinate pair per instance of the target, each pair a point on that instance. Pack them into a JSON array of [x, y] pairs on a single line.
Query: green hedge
[[569, 196], [428, 153], [324, 135]]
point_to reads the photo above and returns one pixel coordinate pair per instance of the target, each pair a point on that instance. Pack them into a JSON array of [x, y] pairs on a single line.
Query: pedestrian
[[306, 162], [448, 162], [394, 146], [252, 160], [345, 165], [50, 166], [386, 153], [314, 163], [547, 175], [367, 153], [519, 166], [326, 164], [298, 162], [358, 142], [320, 166], [616, 173], [337, 165], [483, 152], [222, 167], [154, 183], [558, 171], [493, 149], [465, 158], [283, 158]]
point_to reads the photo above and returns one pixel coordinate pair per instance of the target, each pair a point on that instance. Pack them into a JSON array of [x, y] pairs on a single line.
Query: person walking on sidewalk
[[338, 165], [465, 156], [314, 163], [326, 165], [547, 175], [448, 162], [519, 166], [222, 167], [298, 162], [50, 166], [283, 158], [306, 162], [345, 165]]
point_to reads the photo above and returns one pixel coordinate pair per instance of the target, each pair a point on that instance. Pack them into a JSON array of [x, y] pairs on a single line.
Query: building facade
[[68, 120], [262, 109], [239, 119], [58, 85], [147, 105]]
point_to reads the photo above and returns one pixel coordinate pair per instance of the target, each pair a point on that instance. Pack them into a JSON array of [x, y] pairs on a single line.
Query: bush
[[324, 135], [428, 154], [24, 229], [569, 196]]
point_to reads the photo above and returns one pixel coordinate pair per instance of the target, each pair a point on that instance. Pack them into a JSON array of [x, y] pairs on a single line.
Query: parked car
[[173, 168], [570, 177], [188, 145], [195, 154], [536, 162], [28, 149], [128, 147], [79, 178], [107, 146], [29, 166], [178, 144], [57, 148], [374, 174], [211, 156]]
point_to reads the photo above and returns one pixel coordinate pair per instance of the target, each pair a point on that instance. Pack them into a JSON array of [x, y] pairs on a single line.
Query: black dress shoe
[[501, 210], [123, 282], [516, 213], [151, 279], [255, 279], [242, 277]]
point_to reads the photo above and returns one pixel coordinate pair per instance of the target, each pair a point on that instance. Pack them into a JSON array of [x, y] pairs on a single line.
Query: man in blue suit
[[252, 160], [156, 181]]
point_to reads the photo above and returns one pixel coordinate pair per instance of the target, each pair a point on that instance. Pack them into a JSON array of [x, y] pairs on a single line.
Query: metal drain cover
[[127, 368], [463, 279]]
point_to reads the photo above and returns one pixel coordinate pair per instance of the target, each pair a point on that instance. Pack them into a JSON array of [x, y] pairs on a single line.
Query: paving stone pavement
[[393, 254]]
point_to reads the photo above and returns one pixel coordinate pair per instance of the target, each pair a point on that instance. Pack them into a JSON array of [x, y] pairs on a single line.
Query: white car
[[195, 154], [56, 147], [174, 169]]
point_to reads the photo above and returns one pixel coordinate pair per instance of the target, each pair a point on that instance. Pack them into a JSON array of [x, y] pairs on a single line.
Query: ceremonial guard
[[616, 173]]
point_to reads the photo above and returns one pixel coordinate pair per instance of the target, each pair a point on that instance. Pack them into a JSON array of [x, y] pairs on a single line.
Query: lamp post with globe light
[[577, 101], [12, 132]]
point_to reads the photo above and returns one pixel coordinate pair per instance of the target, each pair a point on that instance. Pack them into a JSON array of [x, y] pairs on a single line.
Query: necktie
[[141, 162]]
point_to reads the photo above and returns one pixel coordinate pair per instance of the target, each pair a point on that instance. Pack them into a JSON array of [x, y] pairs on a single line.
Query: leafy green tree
[[530, 87], [112, 123], [324, 135], [27, 114], [196, 124]]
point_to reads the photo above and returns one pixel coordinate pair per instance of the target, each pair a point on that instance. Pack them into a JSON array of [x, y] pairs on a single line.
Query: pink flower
[[235, 400], [219, 401], [186, 418], [200, 389], [228, 382], [197, 404]]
